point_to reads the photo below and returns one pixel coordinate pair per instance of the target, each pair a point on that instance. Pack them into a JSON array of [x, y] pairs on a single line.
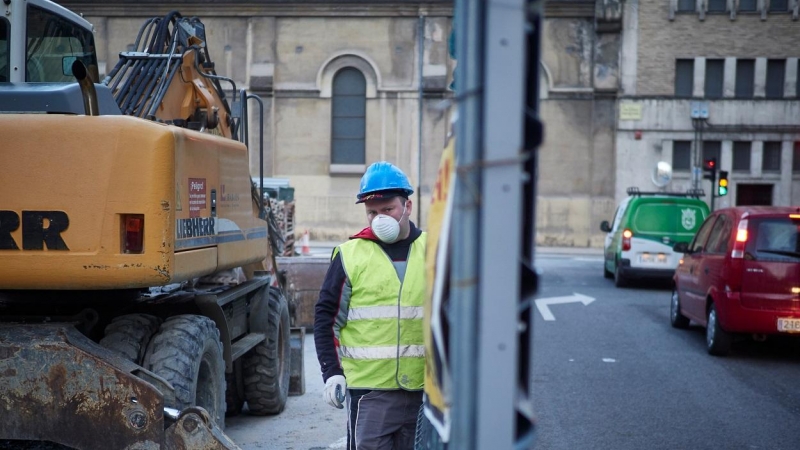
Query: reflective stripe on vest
[[413, 351], [384, 312], [381, 345]]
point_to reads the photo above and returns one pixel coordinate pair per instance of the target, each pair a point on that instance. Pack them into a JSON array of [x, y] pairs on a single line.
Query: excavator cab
[[40, 40]]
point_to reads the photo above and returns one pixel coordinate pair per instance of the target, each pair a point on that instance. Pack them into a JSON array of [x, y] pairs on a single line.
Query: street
[[615, 375], [609, 373]]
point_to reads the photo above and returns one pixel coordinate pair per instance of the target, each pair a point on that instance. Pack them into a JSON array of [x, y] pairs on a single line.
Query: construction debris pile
[[283, 212]]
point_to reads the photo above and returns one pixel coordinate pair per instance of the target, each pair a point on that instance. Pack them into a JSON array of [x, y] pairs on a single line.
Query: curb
[[327, 247], [583, 251]]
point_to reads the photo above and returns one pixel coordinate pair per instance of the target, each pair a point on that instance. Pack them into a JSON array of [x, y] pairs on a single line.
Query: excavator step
[[244, 344], [297, 381]]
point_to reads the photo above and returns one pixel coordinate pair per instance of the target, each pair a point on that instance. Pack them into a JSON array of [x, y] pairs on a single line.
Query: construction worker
[[368, 322]]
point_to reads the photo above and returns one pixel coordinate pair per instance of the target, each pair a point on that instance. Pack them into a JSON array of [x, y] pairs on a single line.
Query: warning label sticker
[[197, 196]]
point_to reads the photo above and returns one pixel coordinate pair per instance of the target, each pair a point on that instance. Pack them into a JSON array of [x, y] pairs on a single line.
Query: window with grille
[[741, 156], [796, 157], [349, 107], [682, 155], [712, 149], [686, 5], [684, 77], [776, 69], [771, 161], [715, 72], [748, 5], [778, 5], [745, 76], [5, 49], [716, 5]]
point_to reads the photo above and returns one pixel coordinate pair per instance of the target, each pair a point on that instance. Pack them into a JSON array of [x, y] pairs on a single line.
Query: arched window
[[348, 130]]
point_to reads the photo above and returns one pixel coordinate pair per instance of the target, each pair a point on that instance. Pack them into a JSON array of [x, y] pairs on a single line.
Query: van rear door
[[668, 220], [662, 222], [771, 275]]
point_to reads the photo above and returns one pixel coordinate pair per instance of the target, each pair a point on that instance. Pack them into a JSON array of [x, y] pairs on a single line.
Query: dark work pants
[[382, 420]]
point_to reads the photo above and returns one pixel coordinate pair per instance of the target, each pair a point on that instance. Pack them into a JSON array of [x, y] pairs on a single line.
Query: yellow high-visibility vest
[[381, 345]]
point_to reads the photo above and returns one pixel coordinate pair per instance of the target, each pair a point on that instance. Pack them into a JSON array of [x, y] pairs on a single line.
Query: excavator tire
[[267, 366], [187, 352], [130, 334], [234, 392]]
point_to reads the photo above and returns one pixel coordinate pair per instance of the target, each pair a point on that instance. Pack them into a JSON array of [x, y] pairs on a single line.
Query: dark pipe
[[87, 88]]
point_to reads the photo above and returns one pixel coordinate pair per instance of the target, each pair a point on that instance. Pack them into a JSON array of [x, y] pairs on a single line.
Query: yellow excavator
[[140, 301]]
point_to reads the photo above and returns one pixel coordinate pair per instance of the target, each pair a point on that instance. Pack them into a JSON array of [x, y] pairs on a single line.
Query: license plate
[[658, 258], [788, 325]]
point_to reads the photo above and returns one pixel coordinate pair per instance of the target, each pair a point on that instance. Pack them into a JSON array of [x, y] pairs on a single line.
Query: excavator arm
[[170, 78]]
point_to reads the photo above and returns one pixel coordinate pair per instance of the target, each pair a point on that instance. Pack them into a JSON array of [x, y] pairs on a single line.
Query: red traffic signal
[[710, 169]]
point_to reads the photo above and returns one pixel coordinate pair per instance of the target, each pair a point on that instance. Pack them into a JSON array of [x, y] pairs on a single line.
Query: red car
[[740, 275]]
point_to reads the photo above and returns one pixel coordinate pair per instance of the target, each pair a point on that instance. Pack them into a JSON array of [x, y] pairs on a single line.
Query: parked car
[[740, 274], [646, 226]]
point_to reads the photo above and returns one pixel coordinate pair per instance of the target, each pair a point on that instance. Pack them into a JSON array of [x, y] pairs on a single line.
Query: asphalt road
[[614, 374], [611, 374]]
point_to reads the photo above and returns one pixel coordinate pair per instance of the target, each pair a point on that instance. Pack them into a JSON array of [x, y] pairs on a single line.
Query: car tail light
[[133, 233], [626, 239], [741, 240]]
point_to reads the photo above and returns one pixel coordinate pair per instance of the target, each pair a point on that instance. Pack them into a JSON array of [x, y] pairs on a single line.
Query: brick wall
[[661, 41]]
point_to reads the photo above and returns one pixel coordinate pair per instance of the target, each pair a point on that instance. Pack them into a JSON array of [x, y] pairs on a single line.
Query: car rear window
[[773, 239], [668, 218]]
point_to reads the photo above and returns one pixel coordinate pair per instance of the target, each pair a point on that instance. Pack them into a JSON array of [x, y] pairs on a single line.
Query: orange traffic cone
[[306, 250]]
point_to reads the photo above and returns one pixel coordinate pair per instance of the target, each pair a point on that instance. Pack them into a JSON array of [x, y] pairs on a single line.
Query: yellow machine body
[[193, 190]]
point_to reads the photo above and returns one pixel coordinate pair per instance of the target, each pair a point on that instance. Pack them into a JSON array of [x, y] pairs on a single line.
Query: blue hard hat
[[383, 180]]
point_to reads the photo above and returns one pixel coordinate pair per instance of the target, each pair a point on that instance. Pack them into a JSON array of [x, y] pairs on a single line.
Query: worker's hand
[[335, 389]]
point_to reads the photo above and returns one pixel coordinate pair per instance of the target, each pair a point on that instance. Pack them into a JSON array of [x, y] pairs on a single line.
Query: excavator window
[[4, 50], [53, 43]]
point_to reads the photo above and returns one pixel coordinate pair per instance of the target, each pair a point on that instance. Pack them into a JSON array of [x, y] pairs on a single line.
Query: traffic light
[[710, 169], [722, 184]]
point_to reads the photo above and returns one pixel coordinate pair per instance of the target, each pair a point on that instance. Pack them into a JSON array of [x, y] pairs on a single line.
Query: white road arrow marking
[[542, 304]]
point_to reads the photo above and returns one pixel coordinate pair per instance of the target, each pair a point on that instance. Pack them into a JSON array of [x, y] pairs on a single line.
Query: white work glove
[[335, 389]]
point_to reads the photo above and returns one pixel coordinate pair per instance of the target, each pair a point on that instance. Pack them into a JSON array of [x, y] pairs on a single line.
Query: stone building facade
[[395, 64], [619, 80], [580, 78], [734, 64], [289, 53]]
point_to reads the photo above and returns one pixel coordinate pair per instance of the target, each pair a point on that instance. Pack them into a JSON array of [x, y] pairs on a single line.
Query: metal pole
[[488, 404], [465, 253], [421, 45], [503, 156], [693, 156], [260, 147]]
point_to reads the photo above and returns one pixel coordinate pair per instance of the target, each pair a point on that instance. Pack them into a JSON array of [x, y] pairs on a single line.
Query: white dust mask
[[386, 228]]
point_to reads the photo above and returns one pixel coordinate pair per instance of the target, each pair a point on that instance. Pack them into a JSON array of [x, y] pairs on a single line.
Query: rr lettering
[[9, 221], [34, 233]]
